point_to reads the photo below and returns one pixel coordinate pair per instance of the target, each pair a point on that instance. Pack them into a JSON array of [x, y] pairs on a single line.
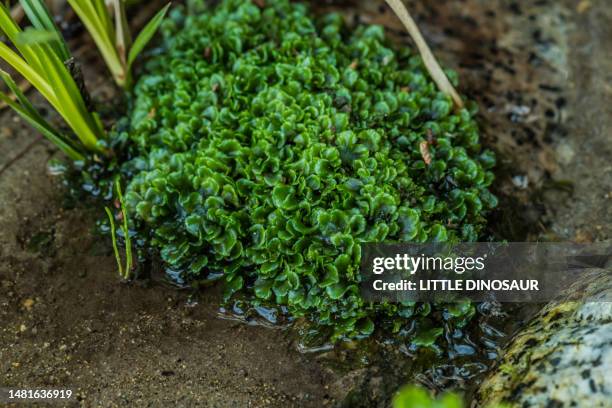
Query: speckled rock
[[563, 358]]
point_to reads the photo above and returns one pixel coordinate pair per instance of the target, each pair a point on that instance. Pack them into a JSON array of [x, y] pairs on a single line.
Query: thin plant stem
[[126, 271], [432, 65], [111, 219], [126, 232]]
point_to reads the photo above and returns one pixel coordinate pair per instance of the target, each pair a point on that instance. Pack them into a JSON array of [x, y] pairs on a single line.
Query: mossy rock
[[563, 358]]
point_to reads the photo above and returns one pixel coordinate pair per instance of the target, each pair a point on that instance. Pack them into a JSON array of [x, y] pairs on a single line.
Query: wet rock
[[563, 357]]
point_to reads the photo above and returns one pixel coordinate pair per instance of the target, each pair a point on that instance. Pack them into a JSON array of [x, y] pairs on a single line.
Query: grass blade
[[123, 39], [41, 63], [104, 15], [36, 121], [72, 107], [21, 98], [126, 231], [98, 29], [111, 219], [28, 72], [145, 35], [32, 116], [12, 31], [125, 272], [41, 18], [34, 36]]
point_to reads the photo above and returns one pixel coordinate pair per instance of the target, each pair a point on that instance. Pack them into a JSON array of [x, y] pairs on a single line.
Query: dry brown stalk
[[432, 65]]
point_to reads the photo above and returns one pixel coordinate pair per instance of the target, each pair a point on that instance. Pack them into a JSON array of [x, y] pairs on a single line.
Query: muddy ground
[[541, 74]]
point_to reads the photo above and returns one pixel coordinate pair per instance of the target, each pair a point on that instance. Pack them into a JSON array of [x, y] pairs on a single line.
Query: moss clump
[[267, 145], [414, 396]]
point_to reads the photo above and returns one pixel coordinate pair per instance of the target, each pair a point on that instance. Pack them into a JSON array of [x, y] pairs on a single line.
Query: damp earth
[[541, 75]]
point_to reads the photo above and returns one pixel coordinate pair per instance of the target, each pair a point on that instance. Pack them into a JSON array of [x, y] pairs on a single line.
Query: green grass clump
[[268, 145], [41, 56]]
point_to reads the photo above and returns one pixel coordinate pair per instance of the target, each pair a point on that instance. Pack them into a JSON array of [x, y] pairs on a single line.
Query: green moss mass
[[268, 144]]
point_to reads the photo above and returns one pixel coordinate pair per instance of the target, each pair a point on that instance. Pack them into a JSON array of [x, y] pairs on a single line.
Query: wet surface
[[67, 321], [540, 72]]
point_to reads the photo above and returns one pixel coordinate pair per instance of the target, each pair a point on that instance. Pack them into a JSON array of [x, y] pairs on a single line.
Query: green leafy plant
[[268, 145], [412, 396], [40, 57], [107, 24]]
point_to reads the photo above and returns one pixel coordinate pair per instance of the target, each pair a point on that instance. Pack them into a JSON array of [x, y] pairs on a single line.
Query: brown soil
[[68, 321], [541, 77]]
